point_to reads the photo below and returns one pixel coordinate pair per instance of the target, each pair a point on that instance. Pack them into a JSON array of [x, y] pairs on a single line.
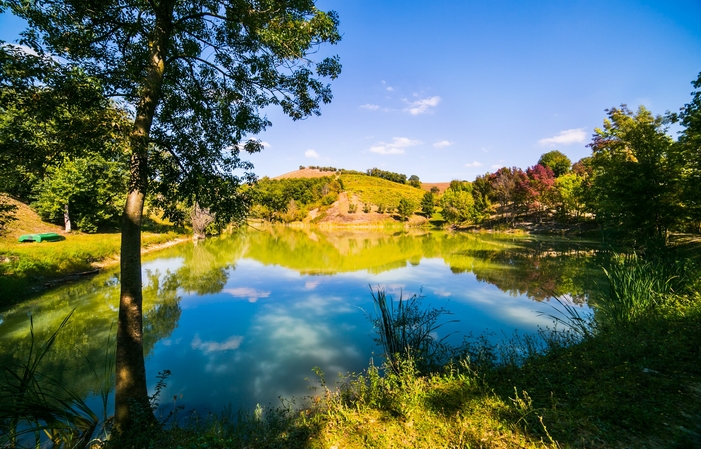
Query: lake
[[242, 319]]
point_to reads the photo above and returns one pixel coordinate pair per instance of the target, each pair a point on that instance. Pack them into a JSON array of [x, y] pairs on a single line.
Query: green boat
[[45, 237]]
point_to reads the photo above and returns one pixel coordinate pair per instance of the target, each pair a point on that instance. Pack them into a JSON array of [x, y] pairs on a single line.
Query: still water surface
[[242, 319]]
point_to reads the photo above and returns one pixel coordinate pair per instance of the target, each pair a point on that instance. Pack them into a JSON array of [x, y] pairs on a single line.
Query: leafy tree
[[690, 152], [458, 204], [405, 208], [91, 190], [636, 179], [428, 204], [414, 181], [503, 184], [555, 161], [388, 175], [435, 190], [535, 190], [481, 191], [570, 194], [50, 113], [196, 75]]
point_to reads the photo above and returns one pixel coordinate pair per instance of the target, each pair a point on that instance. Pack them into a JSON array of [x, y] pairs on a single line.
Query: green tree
[[690, 152], [50, 113], [555, 161], [428, 204], [570, 194], [405, 208], [414, 181], [481, 191], [91, 190], [196, 75], [458, 205], [636, 181]]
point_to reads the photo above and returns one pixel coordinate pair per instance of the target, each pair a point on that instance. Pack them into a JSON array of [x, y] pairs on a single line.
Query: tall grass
[[37, 407], [637, 287], [406, 330]]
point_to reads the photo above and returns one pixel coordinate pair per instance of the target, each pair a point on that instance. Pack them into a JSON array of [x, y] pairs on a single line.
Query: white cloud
[[212, 346], [311, 285], [442, 144], [566, 137], [370, 107], [473, 164], [265, 144], [251, 294], [422, 106], [312, 154], [497, 166], [395, 147], [390, 88]]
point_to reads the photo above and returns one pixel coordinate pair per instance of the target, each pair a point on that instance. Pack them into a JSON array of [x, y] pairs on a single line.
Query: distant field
[[443, 186], [380, 191]]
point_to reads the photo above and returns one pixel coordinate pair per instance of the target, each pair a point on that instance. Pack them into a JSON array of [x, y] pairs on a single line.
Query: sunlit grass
[[25, 264], [378, 191]]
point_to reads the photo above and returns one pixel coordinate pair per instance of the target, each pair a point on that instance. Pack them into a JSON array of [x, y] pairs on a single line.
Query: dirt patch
[[26, 222], [338, 214], [442, 186]]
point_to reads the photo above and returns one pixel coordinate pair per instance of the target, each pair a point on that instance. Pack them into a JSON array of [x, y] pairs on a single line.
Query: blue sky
[[452, 89]]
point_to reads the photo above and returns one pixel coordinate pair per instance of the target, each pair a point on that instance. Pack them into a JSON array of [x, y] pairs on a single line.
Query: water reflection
[[242, 319]]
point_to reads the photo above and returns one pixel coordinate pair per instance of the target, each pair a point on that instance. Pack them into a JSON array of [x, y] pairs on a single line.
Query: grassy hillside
[[380, 191]]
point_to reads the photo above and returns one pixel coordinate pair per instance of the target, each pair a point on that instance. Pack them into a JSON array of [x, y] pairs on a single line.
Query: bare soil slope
[[27, 222]]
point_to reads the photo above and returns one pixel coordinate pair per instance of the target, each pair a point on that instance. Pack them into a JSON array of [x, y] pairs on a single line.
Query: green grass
[[378, 191], [27, 265]]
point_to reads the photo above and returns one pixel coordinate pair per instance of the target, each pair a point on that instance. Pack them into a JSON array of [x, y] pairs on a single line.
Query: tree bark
[[66, 218], [130, 388]]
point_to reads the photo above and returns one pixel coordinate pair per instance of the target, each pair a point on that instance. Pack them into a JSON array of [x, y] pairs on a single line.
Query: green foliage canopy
[[555, 161], [636, 178]]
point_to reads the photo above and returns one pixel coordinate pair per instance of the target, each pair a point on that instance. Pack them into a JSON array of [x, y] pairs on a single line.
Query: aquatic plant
[[405, 330], [636, 287], [37, 407]]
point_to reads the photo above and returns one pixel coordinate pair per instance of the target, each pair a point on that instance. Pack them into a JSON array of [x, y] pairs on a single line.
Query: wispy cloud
[[422, 106], [442, 144], [387, 87], [208, 347], [395, 147], [497, 166], [265, 144], [473, 164], [370, 107], [312, 154], [566, 137], [249, 293]]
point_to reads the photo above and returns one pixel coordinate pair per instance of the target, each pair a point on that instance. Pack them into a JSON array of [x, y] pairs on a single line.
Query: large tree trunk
[[130, 387]]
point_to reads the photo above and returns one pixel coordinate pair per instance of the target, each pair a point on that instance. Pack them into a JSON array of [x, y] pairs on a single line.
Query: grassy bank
[[27, 267]]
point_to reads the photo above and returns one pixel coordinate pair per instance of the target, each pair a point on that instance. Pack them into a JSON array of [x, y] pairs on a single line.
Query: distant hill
[[315, 173], [306, 173]]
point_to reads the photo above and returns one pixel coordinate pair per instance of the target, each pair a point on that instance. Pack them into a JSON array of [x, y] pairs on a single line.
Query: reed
[[37, 407], [636, 288], [405, 330]]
